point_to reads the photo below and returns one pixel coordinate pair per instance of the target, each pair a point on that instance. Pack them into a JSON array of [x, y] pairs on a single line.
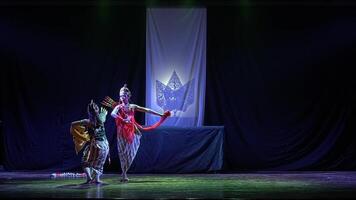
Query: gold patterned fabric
[[80, 136]]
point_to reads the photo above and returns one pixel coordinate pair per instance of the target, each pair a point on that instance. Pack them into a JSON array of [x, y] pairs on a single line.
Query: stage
[[261, 98], [252, 185]]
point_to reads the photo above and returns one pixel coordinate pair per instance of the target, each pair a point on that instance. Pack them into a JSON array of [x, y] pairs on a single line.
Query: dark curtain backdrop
[[279, 78], [54, 59]]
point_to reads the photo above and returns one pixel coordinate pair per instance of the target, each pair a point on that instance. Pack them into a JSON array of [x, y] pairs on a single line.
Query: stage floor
[[257, 185]]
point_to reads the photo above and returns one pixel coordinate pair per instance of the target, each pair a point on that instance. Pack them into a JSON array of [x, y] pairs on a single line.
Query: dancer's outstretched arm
[[143, 109]]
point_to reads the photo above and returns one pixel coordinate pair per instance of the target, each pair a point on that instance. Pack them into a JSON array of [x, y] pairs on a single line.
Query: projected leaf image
[[175, 96]]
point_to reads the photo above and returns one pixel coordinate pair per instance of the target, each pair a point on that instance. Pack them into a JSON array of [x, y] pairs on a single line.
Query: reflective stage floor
[[252, 185]]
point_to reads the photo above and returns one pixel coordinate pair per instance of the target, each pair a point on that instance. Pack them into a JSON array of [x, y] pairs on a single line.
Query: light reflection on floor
[[259, 185]]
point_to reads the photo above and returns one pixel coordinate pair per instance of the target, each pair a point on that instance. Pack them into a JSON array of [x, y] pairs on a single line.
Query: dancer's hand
[[104, 111]]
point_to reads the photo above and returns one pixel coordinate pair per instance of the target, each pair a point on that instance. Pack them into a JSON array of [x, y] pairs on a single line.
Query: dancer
[[90, 133], [128, 130]]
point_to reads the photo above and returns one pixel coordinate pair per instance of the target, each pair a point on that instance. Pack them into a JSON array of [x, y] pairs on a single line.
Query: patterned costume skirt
[[127, 151], [94, 155]]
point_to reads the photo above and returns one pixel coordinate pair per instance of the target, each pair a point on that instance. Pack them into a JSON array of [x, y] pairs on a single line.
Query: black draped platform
[[163, 150], [180, 150]]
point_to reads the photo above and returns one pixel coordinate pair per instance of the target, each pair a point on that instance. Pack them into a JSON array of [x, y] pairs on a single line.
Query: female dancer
[[128, 130]]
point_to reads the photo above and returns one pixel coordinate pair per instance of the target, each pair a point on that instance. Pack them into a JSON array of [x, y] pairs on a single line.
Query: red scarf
[[128, 129]]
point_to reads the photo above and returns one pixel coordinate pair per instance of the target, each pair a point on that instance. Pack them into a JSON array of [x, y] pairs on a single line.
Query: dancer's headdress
[[125, 90], [93, 110]]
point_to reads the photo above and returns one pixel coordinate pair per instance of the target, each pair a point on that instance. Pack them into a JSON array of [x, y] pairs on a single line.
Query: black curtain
[[281, 79], [54, 59]]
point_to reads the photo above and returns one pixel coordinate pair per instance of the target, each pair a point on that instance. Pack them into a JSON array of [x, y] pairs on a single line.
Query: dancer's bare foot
[[88, 181], [124, 178], [87, 172], [97, 182]]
